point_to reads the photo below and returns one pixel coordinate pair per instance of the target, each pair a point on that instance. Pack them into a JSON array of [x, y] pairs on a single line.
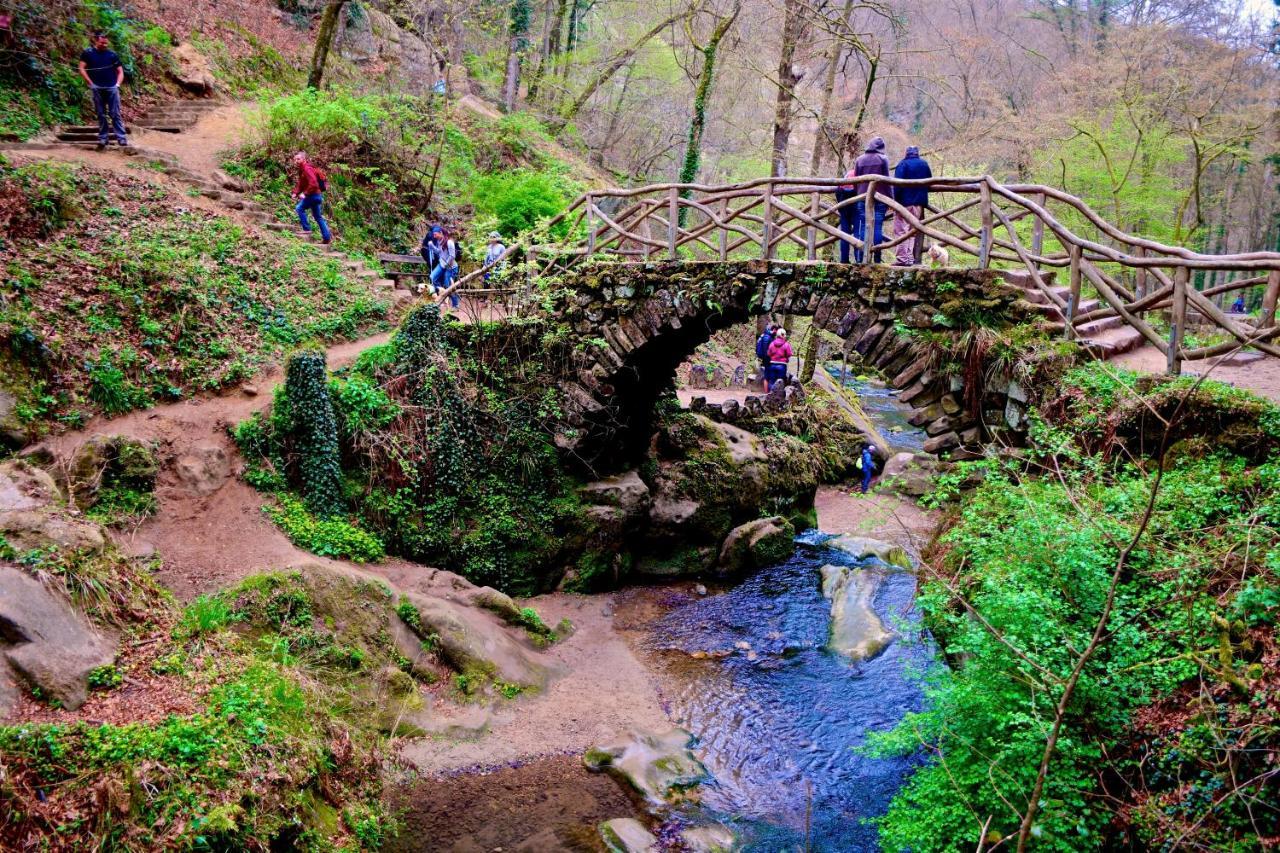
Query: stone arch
[[634, 324]]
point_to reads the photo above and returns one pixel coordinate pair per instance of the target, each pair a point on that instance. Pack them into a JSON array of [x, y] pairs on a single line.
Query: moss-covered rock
[[659, 765]]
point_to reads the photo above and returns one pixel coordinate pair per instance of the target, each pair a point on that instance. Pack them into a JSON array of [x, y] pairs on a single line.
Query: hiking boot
[[101, 146]]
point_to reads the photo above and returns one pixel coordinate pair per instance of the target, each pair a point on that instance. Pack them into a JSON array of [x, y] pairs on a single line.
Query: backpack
[[762, 345], [321, 180]]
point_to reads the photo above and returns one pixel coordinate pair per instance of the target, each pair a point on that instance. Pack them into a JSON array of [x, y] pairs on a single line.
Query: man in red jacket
[[309, 193]]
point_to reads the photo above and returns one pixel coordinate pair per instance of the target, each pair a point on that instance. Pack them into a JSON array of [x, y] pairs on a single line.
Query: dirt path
[[1262, 377], [209, 530], [879, 516]]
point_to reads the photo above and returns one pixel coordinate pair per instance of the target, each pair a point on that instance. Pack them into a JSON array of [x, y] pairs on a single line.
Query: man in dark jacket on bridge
[[871, 162], [915, 199]]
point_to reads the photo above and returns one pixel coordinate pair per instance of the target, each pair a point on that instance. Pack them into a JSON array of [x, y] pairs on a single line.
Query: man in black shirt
[[101, 69]]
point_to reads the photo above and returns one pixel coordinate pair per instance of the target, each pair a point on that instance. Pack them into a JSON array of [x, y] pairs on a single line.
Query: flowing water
[[885, 410], [780, 720]]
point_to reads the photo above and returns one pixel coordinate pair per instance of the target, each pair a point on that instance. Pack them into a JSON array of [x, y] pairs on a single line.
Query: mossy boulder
[[866, 548], [756, 544], [856, 630], [627, 835], [659, 765]]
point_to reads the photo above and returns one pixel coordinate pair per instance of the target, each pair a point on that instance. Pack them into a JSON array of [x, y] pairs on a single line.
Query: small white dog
[[938, 256]]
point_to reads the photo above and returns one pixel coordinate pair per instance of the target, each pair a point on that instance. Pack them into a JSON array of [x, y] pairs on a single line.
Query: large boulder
[[13, 432], [46, 641], [909, 474], [659, 765], [627, 835], [472, 640], [864, 548], [192, 70], [756, 544], [32, 515], [856, 629], [626, 492]]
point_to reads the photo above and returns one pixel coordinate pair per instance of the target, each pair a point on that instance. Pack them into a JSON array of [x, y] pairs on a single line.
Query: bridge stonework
[[632, 325]]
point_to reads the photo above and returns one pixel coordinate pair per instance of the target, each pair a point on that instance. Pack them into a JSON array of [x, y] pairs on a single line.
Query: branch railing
[[1145, 283]]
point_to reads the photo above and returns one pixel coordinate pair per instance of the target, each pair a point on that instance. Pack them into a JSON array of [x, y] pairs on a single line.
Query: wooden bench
[[404, 266]]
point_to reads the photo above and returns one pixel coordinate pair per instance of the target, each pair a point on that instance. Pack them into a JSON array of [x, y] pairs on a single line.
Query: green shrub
[[205, 615], [326, 537], [520, 199], [313, 428]]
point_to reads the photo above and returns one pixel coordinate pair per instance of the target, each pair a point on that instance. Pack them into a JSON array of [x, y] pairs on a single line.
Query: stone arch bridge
[[632, 325]]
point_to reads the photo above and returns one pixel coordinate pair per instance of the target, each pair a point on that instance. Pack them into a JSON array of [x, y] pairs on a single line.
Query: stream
[[885, 410], [779, 723]]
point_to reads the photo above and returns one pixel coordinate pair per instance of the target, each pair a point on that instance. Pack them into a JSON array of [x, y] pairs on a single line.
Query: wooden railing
[[1147, 284]]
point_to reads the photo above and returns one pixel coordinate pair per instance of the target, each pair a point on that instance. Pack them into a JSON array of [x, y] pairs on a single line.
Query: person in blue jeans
[[853, 217], [446, 264], [309, 193], [868, 462], [102, 70]]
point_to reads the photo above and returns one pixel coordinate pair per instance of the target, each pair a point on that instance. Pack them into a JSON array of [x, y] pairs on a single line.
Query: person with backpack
[[780, 354], [762, 351], [309, 193], [102, 69], [914, 199], [867, 463], [446, 265]]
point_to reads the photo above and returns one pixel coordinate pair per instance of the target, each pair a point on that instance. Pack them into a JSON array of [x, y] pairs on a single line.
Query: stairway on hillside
[[168, 117], [229, 192], [1105, 338]]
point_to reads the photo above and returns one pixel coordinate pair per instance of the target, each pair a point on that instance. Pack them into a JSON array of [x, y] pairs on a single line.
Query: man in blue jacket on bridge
[[914, 199]]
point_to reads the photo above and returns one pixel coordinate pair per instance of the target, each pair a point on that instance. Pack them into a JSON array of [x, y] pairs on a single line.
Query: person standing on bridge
[[872, 162], [102, 70], [912, 167]]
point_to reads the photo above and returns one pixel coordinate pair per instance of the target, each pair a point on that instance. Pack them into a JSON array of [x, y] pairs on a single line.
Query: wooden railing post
[[1269, 298], [1178, 326], [988, 227], [811, 233], [673, 223], [1037, 231], [766, 237], [1073, 297], [724, 230], [1140, 277], [869, 221], [591, 225]]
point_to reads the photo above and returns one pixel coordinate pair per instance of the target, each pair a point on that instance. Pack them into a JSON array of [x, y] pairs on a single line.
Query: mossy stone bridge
[[632, 325], [1113, 278], [645, 275]]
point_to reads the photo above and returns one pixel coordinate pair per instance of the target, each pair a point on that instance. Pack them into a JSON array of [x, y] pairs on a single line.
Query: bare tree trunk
[[702, 93], [792, 24], [324, 40], [551, 47], [597, 153], [612, 67], [516, 47], [822, 139]]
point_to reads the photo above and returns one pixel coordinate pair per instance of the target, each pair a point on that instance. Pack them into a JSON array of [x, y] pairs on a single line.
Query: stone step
[[384, 284], [1097, 327], [1113, 342], [27, 146], [161, 127]]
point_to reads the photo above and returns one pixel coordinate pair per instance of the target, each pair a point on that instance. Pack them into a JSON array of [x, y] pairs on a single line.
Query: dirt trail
[[1261, 377], [209, 529]]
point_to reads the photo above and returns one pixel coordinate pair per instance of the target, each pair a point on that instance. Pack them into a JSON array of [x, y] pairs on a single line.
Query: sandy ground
[[541, 807], [886, 517], [1262, 377], [601, 691]]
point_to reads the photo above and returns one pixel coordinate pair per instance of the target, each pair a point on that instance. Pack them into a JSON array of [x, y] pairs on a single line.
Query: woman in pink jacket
[[780, 353]]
